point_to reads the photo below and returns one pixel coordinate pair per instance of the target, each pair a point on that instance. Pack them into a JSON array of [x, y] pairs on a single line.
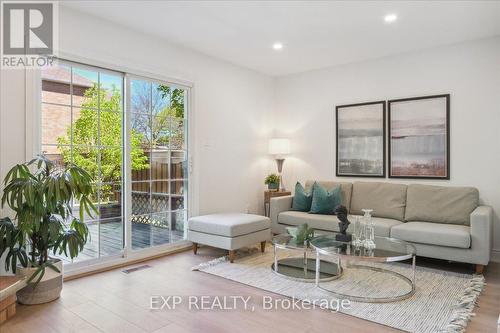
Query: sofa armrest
[[481, 232], [278, 205]]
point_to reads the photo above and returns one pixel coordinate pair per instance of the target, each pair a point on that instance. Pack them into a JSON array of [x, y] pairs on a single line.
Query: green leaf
[[52, 266], [40, 272], [23, 258]]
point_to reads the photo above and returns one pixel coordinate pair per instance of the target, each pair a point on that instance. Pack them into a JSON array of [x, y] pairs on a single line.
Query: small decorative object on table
[[358, 238], [369, 242], [272, 181], [341, 213], [302, 233]]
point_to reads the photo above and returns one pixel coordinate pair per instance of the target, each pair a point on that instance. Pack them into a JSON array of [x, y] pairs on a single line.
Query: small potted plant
[[42, 196], [272, 181]]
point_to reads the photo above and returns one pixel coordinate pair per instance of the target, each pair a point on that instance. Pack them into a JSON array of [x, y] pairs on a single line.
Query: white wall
[[231, 110], [12, 120], [470, 72], [236, 109]]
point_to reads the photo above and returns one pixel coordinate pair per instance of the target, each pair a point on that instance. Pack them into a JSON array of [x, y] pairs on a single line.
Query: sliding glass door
[[82, 123], [158, 151], [135, 148]]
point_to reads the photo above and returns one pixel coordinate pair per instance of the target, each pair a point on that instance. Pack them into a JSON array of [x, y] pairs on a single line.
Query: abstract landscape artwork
[[361, 140], [419, 137]]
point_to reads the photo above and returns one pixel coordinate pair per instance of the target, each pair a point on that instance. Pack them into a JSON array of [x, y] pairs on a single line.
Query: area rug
[[443, 301]]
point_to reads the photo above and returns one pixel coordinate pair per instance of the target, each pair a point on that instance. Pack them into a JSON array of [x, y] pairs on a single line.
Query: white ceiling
[[315, 34]]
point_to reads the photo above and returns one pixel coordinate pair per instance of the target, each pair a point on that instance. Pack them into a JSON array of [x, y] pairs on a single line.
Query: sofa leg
[[231, 255], [263, 246], [195, 248], [479, 269]]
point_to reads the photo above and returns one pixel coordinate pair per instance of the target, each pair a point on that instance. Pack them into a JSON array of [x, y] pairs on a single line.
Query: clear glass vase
[[369, 239], [358, 235]]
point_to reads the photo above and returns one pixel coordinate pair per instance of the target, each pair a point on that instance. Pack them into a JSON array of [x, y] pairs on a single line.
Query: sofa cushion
[[345, 189], [315, 221], [331, 222], [433, 233], [386, 199], [324, 201], [229, 225], [441, 204], [302, 198]]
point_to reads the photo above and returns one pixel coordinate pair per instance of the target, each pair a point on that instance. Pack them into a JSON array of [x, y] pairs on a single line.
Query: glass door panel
[[157, 123], [82, 123]]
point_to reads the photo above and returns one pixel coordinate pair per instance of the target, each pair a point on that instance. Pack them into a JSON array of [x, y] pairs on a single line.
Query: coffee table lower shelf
[[304, 269]]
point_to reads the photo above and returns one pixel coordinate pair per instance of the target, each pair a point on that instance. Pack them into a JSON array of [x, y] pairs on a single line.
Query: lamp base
[[279, 164]]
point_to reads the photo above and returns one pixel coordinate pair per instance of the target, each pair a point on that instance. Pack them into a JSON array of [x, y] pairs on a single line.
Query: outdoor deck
[[110, 242]]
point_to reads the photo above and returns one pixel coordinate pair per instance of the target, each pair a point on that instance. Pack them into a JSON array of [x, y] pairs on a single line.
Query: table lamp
[[279, 148]]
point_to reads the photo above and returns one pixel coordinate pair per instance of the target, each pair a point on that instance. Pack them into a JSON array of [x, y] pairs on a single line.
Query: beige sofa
[[442, 222]]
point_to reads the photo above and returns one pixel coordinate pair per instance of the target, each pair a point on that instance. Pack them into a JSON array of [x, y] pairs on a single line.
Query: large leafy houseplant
[[42, 196]]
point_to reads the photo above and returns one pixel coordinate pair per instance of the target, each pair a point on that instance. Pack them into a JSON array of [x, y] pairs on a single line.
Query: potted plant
[[42, 196], [272, 181]]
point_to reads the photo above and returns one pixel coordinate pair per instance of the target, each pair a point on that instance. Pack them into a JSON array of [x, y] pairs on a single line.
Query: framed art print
[[360, 148], [419, 137]]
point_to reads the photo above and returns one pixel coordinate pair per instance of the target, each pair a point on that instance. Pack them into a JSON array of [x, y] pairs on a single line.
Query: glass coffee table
[[301, 268], [347, 256]]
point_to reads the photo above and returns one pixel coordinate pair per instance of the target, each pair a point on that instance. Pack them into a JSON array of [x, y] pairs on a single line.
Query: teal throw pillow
[[324, 201], [302, 199]]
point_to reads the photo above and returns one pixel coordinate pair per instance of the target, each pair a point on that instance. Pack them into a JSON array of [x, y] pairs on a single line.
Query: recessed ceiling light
[[389, 18], [277, 46]]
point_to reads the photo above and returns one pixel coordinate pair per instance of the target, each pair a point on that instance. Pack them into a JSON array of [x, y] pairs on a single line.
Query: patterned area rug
[[443, 301]]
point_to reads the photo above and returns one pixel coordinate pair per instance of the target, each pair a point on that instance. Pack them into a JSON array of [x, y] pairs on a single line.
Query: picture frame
[[361, 140], [419, 137]]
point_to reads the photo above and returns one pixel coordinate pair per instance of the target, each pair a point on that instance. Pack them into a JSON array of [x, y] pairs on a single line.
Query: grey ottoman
[[229, 231]]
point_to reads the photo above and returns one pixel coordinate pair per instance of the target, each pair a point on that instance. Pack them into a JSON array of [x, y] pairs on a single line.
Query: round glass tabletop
[[386, 250], [286, 241]]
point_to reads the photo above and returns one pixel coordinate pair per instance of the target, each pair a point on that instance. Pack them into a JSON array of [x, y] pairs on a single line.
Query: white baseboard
[[495, 255]]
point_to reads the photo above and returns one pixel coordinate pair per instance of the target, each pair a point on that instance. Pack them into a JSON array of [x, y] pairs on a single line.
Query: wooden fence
[[159, 173]]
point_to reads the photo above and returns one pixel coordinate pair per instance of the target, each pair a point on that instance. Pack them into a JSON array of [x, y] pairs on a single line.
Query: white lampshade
[[279, 146]]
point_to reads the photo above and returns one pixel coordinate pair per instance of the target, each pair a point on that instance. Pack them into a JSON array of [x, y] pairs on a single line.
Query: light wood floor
[[117, 302]]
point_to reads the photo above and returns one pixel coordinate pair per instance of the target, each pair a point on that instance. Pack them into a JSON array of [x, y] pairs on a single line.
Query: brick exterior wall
[[56, 119]]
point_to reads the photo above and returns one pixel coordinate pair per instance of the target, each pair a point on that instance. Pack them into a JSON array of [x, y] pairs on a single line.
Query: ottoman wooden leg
[[263, 246], [231, 255], [195, 248]]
